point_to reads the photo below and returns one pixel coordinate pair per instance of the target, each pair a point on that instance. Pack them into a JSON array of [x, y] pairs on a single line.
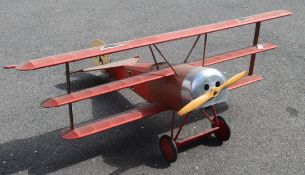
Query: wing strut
[[154, 57], [204, 48], [255, 42], [192, 48], [68, 83], [164, 58]]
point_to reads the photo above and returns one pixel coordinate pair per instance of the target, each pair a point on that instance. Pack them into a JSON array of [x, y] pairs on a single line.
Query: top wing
[[127, 45]]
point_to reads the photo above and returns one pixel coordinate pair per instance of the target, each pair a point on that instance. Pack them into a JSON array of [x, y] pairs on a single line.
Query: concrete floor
[[266, 119]]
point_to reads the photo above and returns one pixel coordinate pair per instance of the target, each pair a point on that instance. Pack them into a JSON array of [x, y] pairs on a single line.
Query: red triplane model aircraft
[[181, 88]]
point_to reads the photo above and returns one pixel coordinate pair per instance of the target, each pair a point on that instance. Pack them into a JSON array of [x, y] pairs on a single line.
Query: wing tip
[[286, 11], [26, 66], [10, 66], [50, 102]]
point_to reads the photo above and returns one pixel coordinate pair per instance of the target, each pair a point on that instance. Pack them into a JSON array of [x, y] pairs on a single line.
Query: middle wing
[[105, 88]]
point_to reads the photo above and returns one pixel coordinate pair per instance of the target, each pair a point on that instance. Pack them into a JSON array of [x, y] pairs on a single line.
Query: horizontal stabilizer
[[234, 54], [136, 43], [110, 65], [87, 129], [245, 81], [106, 88]]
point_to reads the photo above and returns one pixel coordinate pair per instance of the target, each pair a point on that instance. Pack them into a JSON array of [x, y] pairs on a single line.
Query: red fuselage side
[[166, 90]]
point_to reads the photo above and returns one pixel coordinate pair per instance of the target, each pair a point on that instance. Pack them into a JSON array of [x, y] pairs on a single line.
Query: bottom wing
[[138, 113]]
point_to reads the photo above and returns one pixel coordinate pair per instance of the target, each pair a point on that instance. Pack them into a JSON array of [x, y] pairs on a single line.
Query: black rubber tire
[[168, 149], [224, 132]]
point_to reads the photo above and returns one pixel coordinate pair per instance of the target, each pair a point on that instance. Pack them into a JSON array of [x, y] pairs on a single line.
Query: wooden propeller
[[210, 94]]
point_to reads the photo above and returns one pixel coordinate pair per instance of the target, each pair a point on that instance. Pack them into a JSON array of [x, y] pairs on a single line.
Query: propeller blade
[[233, 80], [195, 103]]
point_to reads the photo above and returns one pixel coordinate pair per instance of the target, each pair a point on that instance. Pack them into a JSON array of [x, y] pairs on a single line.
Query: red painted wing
[[87, 129], [59, 59], [105, 88], [127, 45], [233, 55]]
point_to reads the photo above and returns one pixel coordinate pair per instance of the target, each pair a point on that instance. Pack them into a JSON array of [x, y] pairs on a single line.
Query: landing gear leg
[[168, 145], [224, 131]]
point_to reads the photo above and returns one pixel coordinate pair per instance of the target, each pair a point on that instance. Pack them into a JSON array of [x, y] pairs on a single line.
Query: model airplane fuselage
[[180, 88], [176, 91]]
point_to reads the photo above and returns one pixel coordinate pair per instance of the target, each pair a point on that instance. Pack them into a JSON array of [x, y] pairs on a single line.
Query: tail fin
[[100, 60]]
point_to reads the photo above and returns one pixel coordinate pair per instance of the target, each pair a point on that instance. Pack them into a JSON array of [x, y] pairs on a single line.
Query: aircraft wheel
[[224, 131], [168, 148]]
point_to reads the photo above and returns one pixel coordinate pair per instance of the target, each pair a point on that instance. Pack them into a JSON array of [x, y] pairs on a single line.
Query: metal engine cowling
[[200, 80]]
